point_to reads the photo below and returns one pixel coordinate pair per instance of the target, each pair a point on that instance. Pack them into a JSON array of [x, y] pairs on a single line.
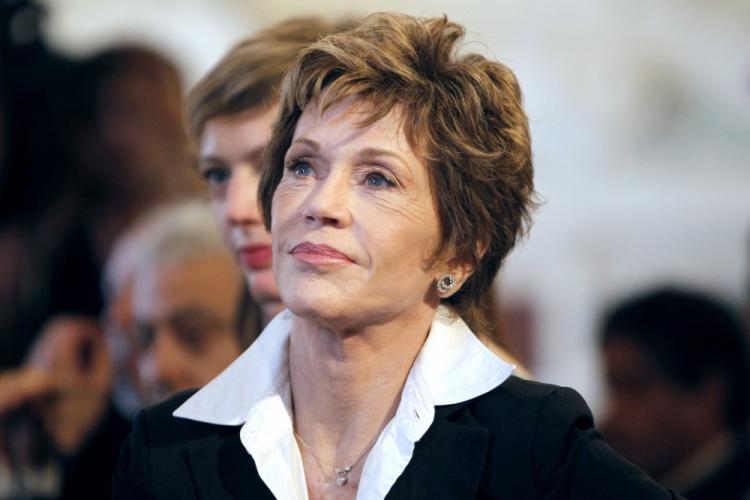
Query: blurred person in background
[[130, 155], [91, 145], [174, 314], [677, 371], [174, 293], [40, 102], [87, 147]]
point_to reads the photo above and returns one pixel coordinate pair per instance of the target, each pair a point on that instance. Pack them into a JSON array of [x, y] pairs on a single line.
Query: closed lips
[[321, 250], [256, 256]]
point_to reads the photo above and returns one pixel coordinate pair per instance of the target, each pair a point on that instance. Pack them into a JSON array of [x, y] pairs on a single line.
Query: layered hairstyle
[[249, 76], [462, 115]]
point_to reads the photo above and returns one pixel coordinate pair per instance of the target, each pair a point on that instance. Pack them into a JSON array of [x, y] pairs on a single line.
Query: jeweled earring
[[445, 283]]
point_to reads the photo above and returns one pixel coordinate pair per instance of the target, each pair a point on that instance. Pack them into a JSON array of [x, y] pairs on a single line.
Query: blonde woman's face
[[354, 219], [231, 154]]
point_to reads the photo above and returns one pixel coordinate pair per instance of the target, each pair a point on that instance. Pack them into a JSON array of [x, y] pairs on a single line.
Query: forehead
[[341, 125], [248, 130], [211, 282]]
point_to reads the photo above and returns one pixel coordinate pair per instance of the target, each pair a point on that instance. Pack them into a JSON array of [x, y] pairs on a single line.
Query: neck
[[346, 384], [701, 463]]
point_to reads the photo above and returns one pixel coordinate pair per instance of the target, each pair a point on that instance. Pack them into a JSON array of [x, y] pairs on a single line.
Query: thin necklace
[[342, 473]]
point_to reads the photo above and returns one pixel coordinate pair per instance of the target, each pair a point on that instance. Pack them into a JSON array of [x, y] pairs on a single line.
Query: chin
[[316, 305], [338, 311]]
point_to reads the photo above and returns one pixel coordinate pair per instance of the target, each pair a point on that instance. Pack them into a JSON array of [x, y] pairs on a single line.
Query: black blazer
[[522, 440]]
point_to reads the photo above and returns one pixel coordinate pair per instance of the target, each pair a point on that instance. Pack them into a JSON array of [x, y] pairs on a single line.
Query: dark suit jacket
[[522, 440], [731, 481]]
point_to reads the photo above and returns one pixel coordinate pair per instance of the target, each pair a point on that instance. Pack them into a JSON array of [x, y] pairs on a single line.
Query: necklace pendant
[[342, 474]]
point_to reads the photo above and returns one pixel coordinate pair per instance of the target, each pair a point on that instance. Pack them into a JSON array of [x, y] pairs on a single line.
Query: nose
[[329, 201], [241, 199]]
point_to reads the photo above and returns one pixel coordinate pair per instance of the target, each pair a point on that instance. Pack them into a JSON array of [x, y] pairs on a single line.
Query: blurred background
[[640, 119], [640, 115]]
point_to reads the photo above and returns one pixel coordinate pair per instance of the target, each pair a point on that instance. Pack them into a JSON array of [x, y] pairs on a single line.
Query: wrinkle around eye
[[400, 205]]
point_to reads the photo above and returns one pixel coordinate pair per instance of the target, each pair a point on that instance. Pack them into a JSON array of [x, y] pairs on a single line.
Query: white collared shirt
[[254, 391]]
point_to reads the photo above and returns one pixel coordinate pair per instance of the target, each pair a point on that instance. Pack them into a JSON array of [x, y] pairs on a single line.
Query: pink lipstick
[[311, 253], [256, 257]]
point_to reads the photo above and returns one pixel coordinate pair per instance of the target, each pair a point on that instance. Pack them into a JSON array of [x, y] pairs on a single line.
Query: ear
[[451, 279], [454, 273]]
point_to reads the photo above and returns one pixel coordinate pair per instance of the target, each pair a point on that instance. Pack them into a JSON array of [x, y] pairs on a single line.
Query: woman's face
[[231, 152], [354, 220]]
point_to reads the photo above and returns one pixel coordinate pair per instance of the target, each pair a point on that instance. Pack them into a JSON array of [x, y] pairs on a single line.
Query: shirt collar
[[453, 366]]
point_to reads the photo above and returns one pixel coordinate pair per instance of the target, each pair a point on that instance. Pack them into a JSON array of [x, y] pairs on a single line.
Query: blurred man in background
[[173, 293], [175, 297], [677, 371]]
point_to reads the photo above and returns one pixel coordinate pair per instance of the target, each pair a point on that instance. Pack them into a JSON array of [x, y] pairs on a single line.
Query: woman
[[397, 179], [230, 113]]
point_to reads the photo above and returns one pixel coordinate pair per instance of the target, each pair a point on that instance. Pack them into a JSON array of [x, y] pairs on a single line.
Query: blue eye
[[299, 167], [302, 169], [216, 175], [378, 180]]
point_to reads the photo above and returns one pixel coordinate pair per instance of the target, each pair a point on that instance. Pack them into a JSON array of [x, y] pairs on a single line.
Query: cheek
[[219, 209], [402, 249], [411, 233], [279, 205], [285, 205], [215, 357]]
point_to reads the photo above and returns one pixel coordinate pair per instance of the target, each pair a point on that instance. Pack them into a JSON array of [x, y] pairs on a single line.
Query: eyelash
[[216, 175], [377, 174], [294, 165]]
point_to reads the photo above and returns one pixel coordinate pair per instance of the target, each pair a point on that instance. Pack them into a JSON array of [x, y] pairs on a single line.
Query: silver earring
[[445, 283]]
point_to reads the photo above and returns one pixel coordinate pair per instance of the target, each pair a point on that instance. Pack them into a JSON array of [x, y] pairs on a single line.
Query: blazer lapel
[[222, 470], [448, 461]]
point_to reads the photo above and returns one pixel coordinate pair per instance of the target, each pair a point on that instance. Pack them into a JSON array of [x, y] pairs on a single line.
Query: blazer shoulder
[[520, 403], [160, 427], [530, 391], [163, 410], [545, 435], [153, 459]]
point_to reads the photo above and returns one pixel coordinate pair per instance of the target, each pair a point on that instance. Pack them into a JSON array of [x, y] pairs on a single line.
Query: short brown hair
[[250, 74], [462, 114]]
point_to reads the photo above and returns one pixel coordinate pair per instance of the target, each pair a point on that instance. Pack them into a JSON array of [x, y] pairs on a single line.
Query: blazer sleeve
[[131, 480], [572, 461]]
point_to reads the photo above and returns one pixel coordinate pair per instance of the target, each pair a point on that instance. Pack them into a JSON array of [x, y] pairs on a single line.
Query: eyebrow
[[254, 156], [191, 313], [375, 152], [309, 142], [365, 153]]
